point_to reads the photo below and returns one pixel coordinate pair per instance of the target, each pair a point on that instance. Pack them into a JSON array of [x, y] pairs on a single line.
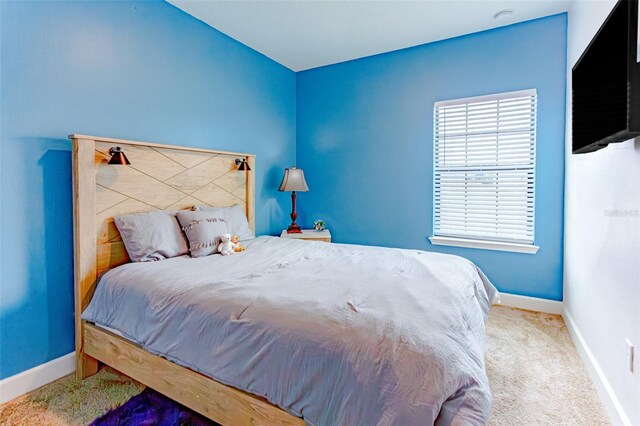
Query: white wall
[[602, 241]]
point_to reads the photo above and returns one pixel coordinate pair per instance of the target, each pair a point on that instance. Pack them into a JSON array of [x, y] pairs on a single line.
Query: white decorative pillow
[[235, 218], [203, 230], [152, 235]]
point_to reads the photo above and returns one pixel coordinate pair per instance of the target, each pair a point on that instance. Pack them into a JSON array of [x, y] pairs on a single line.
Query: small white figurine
[[226, 246]]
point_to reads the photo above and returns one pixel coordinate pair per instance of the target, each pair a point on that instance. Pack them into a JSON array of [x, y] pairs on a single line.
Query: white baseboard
[[607, 395], [530, 303], [21, 383]]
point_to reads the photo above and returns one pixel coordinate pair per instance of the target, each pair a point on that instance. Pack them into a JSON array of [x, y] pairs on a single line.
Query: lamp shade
[[293, 180], [242, 165], [118, 157]]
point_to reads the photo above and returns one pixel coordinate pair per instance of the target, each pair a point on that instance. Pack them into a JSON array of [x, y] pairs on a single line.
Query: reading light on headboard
[[242, 165], [118, 157]]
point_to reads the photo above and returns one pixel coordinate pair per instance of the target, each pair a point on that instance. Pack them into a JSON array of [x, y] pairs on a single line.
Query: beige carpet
[[536, 378], [536, 375]]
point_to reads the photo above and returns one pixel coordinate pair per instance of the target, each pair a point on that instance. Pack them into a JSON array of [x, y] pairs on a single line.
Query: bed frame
[[159, 177]]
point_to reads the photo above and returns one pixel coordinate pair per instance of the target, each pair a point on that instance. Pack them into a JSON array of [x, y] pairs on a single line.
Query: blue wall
[[365, 134], [136, 70], [145, 70]]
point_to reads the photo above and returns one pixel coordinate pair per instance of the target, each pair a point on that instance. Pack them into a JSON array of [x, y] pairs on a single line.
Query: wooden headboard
[[160, 177]]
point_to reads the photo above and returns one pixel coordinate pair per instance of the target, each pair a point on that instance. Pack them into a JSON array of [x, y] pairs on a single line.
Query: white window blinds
[[484, 167]]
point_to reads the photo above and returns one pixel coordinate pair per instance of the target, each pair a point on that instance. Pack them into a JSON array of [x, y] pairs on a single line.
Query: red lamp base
[[294, 228]]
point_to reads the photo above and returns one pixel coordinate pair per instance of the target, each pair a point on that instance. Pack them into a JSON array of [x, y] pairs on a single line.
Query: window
[[484, 171]]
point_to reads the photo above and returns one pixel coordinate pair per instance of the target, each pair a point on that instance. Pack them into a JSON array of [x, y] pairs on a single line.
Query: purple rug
[[150, 408]]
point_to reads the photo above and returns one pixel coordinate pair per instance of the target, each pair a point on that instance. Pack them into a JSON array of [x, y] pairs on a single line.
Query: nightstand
[[309, 235]]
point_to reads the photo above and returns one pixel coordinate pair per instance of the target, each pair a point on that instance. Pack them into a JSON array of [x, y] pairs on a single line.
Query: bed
[[288, 331]]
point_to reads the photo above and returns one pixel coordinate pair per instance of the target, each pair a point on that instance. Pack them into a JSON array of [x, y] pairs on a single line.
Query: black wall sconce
[[242, 165], [118, 157]]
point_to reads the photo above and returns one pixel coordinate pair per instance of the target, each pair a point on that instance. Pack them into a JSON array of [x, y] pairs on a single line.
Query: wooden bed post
[[84, 225], [251, 194]]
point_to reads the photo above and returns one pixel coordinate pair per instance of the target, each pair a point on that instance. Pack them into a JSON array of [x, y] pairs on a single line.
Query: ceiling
[[303, 34]]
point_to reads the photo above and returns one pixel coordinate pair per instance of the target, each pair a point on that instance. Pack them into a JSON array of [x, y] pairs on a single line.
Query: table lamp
[[293, 180]]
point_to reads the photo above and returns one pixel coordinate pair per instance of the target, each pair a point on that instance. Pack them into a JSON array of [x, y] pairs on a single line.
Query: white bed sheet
[[337, 334]]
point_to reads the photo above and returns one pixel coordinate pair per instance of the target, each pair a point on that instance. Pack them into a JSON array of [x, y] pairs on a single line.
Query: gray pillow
[[235, 218], [151, 236], [203, 229]]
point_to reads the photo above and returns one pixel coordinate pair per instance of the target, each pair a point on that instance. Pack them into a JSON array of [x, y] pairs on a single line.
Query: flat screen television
[[606, 83]]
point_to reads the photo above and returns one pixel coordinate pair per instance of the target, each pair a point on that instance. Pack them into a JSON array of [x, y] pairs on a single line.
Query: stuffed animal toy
[[226, 246], [239, 247]]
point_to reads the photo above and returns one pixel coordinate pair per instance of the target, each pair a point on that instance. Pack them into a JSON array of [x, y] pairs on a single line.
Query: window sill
[[483, 244]]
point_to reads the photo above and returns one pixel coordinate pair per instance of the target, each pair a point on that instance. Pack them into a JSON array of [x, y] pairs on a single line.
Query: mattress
[[336, 334]]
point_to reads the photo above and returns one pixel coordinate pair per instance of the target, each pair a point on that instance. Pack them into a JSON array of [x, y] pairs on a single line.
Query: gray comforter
[[337, 334]]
